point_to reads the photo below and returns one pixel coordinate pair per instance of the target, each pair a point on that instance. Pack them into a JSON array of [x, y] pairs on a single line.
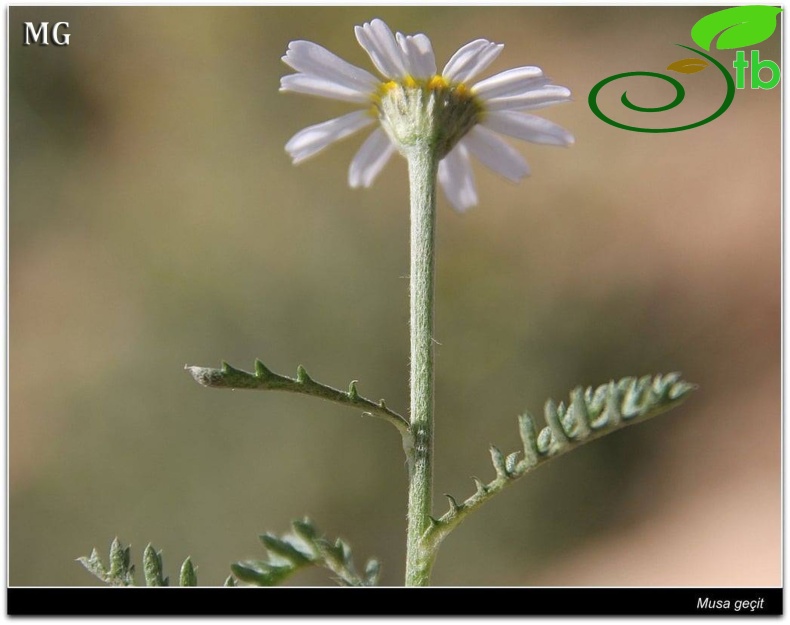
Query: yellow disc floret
[[438, 82]]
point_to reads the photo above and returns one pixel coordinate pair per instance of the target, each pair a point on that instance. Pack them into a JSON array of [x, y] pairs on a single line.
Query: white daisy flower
[[414, 103]]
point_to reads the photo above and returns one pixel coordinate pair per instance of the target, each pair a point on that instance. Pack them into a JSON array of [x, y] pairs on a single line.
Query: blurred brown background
[[155, 220]]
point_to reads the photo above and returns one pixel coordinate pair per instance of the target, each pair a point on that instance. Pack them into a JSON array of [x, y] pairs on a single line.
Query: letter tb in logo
[[44, 34], [741, 64]]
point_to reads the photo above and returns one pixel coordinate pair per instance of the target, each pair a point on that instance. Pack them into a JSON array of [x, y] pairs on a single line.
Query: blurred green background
[[155, 220]]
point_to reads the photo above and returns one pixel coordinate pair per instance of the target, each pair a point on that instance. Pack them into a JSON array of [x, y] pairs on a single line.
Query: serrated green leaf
[[544, 440], [635, 398], [94, 565], [261, 371], [284, 550], [122, 573], [119, 558], [305, 530], [302, 376], [630, 406], [681, 389], [554, 420], [453, 503], [188, 577], [580, 416], [612, 408], [596, 404], [261, 573], [344, 551], [511, 462], [228, 377], [289, 553], [152, 567], [526, 430], [372, 571], [671, 378], [498, 460]]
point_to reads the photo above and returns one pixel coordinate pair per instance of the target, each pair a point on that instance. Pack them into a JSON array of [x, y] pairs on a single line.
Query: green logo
[[736, 27]]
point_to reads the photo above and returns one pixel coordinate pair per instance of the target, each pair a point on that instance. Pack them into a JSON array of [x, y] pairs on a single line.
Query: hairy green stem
[[423, 164]]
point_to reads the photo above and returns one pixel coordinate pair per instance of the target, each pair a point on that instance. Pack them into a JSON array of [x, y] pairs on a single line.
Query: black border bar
[[22, 601]]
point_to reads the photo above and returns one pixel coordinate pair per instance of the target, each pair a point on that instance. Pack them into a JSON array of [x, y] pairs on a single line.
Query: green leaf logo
[[688, 66], [739, 27]]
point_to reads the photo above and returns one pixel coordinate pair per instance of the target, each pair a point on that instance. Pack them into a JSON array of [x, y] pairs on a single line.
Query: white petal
[[379, 42], [463, 57], [368, 162], [457, 179], [494, 153], [471, 59], [510, 82], [528, 127], [530, 100], [310, 58], [313, 139], [324, 87], [418, 52]]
